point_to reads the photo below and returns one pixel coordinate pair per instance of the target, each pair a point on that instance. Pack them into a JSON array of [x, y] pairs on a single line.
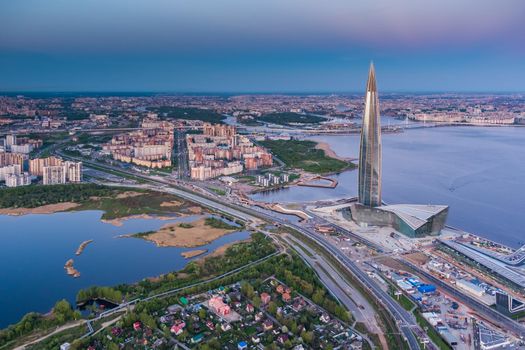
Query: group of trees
[[106, 293], [35, 196], [304, 155], [62, 313], [218, 223]]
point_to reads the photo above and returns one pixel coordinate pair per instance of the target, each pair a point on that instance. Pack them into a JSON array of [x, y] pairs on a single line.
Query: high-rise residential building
[[11, 158], [54, 174], [15, 180], [369, 187], [14, 169], [10, 140], [24, 149], [73, 171], [36, 166]]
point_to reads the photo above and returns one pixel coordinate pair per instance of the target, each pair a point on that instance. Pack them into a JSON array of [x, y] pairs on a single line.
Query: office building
[[410, 219], [369, 186]]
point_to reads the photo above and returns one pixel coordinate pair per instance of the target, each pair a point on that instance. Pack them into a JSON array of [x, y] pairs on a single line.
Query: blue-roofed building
[[413, 282], [426, 288], [242, 345]]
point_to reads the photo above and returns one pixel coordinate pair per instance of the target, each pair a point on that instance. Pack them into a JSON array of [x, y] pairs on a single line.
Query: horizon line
[[232, 92]]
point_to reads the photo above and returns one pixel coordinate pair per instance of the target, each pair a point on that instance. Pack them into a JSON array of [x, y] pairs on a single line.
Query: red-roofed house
[[178, 328], [265, 298], [136, 326], [249, 308], [218, 306]]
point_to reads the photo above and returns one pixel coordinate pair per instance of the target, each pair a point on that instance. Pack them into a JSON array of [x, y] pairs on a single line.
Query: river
[[34, 249], [477, 171]]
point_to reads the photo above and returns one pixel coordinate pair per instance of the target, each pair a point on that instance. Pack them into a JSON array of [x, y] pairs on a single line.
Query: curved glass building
[[369, 186]]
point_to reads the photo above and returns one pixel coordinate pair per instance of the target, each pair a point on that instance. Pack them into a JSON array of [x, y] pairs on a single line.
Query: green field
[[303, 155], [93, 197]]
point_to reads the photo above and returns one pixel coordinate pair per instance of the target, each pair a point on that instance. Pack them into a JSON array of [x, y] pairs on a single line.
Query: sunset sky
[[261, 45]]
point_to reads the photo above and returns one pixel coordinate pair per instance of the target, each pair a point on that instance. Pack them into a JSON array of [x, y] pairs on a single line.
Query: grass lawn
[[146, 203], [304, 155]]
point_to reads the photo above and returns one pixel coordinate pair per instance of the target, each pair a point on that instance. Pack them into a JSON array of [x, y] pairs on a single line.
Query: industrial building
[[496, 266]]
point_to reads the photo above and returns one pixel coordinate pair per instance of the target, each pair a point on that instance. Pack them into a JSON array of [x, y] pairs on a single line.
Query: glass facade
[[369, 187]]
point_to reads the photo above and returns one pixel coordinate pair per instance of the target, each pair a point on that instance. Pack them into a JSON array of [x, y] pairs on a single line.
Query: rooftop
[[414, 215]]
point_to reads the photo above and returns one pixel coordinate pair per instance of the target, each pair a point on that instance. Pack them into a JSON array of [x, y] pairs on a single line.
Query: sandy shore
[[171, 204], [120, 221], [45, 209], [193, 253], [173, 235], [128, 194], [330, 152]]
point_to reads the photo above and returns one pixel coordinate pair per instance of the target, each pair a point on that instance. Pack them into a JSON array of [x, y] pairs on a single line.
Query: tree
[[202, 314], [308, 337], [272, 308], [247, 289], [318, 297]]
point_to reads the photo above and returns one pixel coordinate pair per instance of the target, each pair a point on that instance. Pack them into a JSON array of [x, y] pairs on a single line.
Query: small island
[[193, 253], [70, 269], [82, 246], [189, 235]]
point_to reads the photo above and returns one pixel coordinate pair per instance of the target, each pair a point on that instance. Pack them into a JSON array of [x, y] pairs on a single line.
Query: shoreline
[[44, 209], [193, 253], [120, 221], [196, 234], [328, 151]]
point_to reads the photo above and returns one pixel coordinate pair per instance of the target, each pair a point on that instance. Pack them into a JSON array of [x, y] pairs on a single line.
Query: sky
[[262, 45]]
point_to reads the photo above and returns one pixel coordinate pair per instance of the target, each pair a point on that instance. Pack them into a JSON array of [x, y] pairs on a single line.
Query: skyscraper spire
[[369, 186], [371, 83]]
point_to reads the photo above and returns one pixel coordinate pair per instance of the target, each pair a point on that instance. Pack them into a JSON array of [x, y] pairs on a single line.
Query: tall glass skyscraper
[[369, 187]]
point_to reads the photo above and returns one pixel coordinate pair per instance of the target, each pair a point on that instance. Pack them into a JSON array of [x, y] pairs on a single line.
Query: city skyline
[[289, 47]]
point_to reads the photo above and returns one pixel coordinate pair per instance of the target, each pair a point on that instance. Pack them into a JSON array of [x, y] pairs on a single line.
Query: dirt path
[[58, 330]]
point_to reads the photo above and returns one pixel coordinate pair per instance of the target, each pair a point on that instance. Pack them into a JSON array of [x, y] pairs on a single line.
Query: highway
[[404, 319]]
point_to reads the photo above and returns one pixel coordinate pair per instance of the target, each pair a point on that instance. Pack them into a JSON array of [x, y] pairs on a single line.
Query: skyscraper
[[369, 187]]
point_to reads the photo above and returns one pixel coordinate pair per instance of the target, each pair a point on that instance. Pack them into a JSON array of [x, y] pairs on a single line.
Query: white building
[[470, 287], [10, 140], [73, 171], [5, 171], [55, 175], [24, 149], [15, 180]]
